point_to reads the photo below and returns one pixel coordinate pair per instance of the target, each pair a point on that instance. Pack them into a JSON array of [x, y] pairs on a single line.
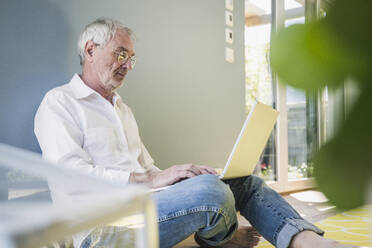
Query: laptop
[[250, 143]]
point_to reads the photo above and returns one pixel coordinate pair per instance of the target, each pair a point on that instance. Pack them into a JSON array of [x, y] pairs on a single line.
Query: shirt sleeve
[[144, 158], [61, 141]]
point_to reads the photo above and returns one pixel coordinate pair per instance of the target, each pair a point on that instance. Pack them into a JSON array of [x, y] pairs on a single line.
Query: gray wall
[[188, 102]]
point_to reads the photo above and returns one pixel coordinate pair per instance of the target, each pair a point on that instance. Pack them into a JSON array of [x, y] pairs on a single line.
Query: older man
[[84, 125]]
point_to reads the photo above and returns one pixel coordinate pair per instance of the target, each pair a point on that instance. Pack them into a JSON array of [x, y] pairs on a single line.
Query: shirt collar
[[116, 98], [79, 88]]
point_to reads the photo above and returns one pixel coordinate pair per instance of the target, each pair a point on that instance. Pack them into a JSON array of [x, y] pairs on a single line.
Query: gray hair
[[100, 31]]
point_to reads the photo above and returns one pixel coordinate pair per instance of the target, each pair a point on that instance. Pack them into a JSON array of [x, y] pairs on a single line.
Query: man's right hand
[[171, 175]]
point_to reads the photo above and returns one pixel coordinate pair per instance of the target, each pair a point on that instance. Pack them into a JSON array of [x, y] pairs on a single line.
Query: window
[[286, 163]]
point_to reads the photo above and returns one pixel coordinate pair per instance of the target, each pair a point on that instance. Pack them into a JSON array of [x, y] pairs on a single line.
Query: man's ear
[[89, 50]]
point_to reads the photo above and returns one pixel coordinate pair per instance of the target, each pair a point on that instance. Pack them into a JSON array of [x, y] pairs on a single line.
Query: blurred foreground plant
[[325, 53]]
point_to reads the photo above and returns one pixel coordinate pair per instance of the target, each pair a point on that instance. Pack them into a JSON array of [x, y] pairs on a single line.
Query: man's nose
[[127, 65]]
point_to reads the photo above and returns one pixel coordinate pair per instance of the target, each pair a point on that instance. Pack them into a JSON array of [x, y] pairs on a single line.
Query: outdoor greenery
[[304, 170], [258, 75], [258, 86]]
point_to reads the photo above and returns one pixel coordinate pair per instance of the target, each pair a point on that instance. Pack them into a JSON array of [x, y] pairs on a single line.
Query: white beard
[[108, 81]]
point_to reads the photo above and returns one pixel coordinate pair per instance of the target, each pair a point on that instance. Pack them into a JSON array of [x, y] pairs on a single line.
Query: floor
[[312, 205]]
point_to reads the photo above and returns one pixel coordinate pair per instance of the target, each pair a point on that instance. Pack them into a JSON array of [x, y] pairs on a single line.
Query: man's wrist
[[143, 178]]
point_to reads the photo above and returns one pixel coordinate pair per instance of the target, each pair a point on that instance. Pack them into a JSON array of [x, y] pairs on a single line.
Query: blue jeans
[[206, 205]]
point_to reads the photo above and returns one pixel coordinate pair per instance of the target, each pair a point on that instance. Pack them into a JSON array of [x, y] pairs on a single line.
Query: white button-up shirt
[[78, 128]]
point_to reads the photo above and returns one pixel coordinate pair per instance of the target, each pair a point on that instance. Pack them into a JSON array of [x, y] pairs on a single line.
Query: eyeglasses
[[123, 58]]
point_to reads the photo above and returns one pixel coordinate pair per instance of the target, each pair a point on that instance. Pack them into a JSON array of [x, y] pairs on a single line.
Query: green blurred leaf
[[351, 22], [351, 25], [338, 178], [343, 167], [308, 56]]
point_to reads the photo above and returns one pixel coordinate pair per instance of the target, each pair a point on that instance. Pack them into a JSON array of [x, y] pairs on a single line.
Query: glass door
[[286, 163]]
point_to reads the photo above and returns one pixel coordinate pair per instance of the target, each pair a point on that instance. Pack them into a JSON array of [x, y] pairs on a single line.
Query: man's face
[[110, 72]]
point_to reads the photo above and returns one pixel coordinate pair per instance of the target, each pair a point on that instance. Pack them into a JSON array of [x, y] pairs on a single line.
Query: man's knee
[[212, 191], [221, 213], [202, 204]]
